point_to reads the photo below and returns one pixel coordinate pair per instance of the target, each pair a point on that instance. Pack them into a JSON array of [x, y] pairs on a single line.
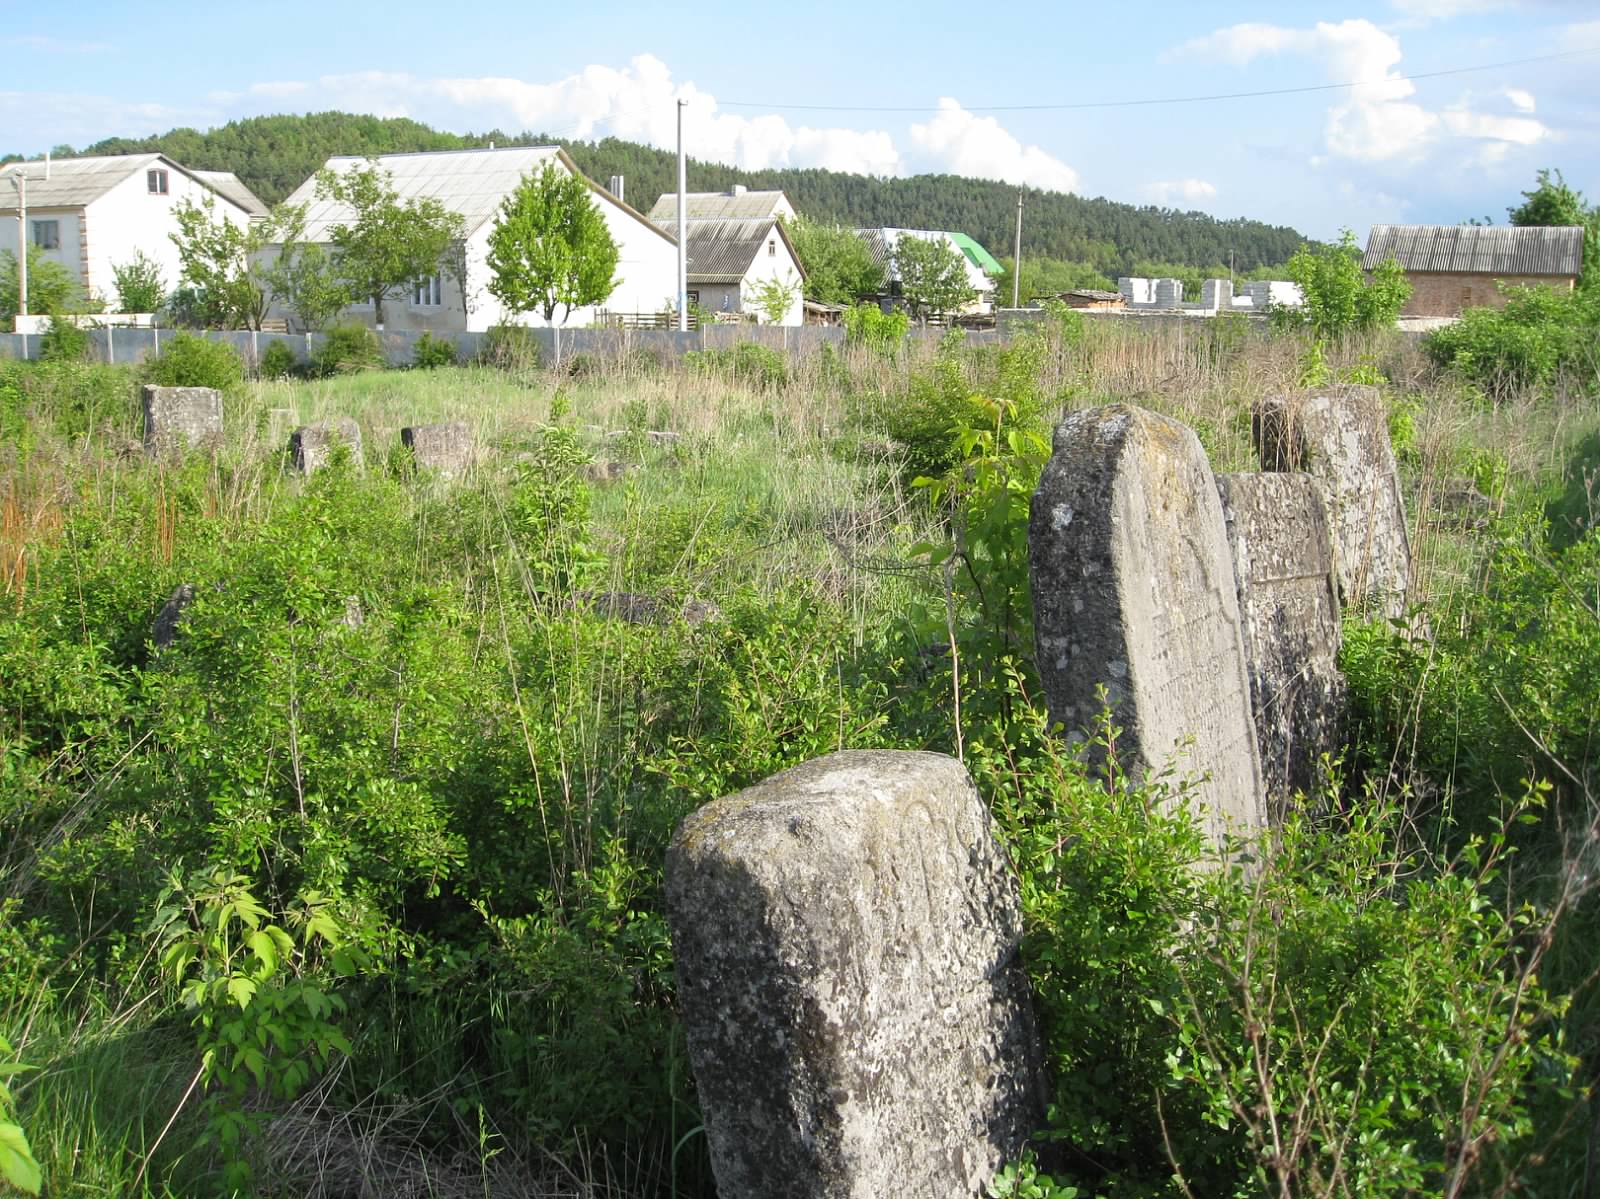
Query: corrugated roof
[[976, 254], [720, 206], [722, 251], [226, 183], [1479, 249], [77, 182]]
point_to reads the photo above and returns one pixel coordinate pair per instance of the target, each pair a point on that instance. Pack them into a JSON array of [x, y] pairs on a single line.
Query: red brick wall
[[1434, 294]]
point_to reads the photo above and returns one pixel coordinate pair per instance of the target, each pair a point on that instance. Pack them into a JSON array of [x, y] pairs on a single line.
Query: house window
[[156, 181], [47, 235], [772, 248], [694, 297], [426, 293]]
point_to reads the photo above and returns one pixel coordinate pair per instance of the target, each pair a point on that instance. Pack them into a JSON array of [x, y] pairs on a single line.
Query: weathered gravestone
[[1289, 612], [176, 418], [845, 936], [1341, 435], [445, 448], [313, 446], [1133, 592], [164, 630]]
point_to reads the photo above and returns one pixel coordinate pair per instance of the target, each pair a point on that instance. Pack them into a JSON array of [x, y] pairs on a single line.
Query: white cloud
[[1190, 191], [1443, 10], [1521, 100], [955, 140], [1376, 121]]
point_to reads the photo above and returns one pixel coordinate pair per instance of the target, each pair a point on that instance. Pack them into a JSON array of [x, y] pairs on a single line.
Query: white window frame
[[428, 293], [155, 181], [54, 226]]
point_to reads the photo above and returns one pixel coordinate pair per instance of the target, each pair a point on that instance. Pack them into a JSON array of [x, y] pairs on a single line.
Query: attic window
[[156, 181], [47, 235], [772, 248]]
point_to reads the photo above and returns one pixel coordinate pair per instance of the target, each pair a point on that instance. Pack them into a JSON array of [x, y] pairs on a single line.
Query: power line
[[1281, 91]]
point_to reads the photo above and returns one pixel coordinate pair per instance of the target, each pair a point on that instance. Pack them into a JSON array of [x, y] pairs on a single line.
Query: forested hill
[[276, 154]]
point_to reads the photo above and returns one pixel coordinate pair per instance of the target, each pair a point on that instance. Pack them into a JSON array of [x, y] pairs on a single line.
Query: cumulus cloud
[[1521, 100], [955, 140], [1378, 121], [1189, 191]]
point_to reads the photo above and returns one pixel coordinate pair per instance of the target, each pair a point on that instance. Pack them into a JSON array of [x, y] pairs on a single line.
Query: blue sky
[[959, 77]]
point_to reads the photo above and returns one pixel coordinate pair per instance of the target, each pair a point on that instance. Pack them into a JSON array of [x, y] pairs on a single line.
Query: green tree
[[1339, 297], [389, 243], [550, 247], [933, 275], [839, 267], [772, 298], [225, 261], [51, 287], [139, 285], [1048, 277], [1552, 202], [303, 275]]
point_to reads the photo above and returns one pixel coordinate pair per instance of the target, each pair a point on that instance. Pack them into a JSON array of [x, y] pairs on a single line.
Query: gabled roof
[[723, 251], [976, 254], [1479, 249], [470, 183], [78, 182], [226, 183], [720, 206], [881, 244]]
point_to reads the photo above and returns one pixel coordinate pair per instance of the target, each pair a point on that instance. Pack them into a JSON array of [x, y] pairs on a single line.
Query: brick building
[[1452, 267]]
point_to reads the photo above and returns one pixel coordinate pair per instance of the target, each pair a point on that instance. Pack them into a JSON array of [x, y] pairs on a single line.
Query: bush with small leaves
[[346, 349], [189, 360], [431, 352], [278, 361]]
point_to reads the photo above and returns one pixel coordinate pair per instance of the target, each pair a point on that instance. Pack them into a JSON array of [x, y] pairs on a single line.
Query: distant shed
[[1088, 297], [1454, 267]]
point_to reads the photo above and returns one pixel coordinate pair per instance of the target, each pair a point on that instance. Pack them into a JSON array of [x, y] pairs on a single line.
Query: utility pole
[[19, 176], [1016, 259], [683, 249]]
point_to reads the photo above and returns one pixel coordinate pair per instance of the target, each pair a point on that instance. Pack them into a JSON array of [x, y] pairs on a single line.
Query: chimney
[[615, 187], [738, 189]]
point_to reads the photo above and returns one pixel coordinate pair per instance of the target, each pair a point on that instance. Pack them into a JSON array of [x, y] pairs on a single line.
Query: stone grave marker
[[446, 448], [312, 446], [846, 944], [178, 418], [1289, 609], [1133, 592], [1341, 435]]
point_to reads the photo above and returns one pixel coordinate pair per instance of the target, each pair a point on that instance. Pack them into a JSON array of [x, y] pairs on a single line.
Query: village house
[[737, 251], [738, 203], [1454, 267], [473, 184], [92, 215], [982, 266]]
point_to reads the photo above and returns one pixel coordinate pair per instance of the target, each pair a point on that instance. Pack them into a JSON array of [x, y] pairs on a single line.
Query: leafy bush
[[868, 325], [749, 362], [189, 360], [75, 397], [138, 283], [1539, 334], [346, 349], [64, 341], [510, 347], [431, 352], [278, 361], [1339, 297], [51, 286]]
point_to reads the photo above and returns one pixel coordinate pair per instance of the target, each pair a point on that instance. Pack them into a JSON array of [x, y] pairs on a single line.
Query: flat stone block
[[846, 943], [311, 447], [178, 418], [1134, 597], [447, 448]]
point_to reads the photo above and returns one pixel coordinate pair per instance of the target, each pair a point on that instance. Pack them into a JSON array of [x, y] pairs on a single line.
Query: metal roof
[[722, 251], [1479, 249], [79, 182], [976, 254], [720, 206], [881, 244], [229, 185]]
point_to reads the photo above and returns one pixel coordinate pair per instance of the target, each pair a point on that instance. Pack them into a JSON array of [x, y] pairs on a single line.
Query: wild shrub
[[74, 397], [749, 362], [346, 349], [868, 325], [64, 341], [431, 352], [1538, 334], [188, 360], [278, 361], [510, 347]]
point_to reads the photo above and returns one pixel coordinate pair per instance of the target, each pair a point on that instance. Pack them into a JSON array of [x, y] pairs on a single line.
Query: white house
[[94, 214], [981, 265], [738, 203], [474, 184], [731, 263]]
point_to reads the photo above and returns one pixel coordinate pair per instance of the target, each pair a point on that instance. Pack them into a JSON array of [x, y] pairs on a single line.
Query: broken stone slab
[[179, 418], [631, 607], [311, 447], [446, 448], [1289, 611], [164, 630], [1341, 435], [607, 472], [845, 936], [1134, 596]]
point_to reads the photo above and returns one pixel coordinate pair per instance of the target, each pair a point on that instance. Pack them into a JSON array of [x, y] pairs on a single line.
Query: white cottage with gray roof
[[473, 184], [92, 215]]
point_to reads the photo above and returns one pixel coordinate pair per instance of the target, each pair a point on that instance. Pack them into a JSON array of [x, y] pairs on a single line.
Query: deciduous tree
[[224, 261], [550, 247], [933, 275], [1339, 297], [839, 267]]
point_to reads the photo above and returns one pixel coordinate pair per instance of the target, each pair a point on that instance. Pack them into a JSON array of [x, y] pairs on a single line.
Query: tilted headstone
[[164, 630], [1133, 592], [846, 943], [313, 446], [177, 418], [445, 448], [1289, 610], [1341, 435]]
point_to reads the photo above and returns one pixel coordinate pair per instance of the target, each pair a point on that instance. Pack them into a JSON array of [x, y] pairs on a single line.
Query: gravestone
[[1341, 435], [1133, 592], [177, 418], [445, 448], [846, 943], [164, 630], [312, 446], [1289, 612]]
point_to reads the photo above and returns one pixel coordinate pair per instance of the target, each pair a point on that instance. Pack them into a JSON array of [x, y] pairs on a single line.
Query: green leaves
[[17, 1165], [1340, 297], [550, 247]]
